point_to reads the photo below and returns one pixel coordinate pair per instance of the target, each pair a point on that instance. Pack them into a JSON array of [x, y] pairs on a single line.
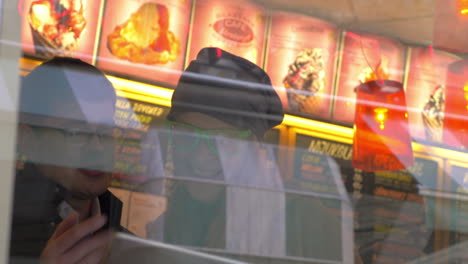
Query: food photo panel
[[301, 60], [59, 28], [145, 39]]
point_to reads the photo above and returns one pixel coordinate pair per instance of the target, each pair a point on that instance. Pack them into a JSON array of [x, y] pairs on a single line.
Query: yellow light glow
[[464, 11], [143, 98], [304, 123], [381, 116], [141, 88]]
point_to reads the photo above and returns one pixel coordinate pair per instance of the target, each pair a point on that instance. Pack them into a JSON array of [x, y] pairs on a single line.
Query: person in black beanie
[[62, 209], [221, 109]]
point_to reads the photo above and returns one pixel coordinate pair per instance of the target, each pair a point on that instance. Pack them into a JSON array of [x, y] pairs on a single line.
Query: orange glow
[[463, 7], [376, 148], [455, 125], [466, 94]]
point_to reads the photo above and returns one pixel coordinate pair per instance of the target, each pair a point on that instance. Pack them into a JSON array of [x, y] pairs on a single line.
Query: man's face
[[203, 161], [77, 155]]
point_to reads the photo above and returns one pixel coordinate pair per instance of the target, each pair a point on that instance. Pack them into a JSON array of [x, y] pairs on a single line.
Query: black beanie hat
[[229, 88]]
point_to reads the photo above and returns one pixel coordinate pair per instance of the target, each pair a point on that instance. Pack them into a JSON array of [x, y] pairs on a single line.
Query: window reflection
[[245, 149]]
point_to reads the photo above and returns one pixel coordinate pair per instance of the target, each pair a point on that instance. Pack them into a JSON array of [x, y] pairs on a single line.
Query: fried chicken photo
[[145, 37]]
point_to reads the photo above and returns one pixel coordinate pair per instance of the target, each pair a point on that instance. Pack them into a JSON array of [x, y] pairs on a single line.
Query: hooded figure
[[224, 190]]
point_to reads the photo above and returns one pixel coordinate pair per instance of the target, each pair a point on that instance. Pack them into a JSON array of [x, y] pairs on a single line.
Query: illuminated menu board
[[132, 163], [308, 164], [392, 222], [425, 92], [390, 216], [145, 39], [67, 28], [316, 200], [235, 26], [301, 59], [363, 56]]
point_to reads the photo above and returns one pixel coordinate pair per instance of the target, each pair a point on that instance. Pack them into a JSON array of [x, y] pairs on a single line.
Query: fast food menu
[[301, 60], [137, 159], [59, 27], [364, 58], [392, 216], [235, 26], [311, 168], [425, 92], [145, 39], [315, 200]]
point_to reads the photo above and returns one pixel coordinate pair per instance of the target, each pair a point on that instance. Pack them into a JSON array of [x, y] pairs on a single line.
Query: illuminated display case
[[301, 61], [425, 92], [238, 27], [145, 40], [50, 29]]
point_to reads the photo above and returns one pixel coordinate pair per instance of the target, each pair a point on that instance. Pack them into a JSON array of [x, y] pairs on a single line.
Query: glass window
[[215, 131]]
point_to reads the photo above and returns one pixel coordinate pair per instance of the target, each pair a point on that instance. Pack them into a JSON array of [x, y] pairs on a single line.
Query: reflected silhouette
[[65, 144], [222, 189]]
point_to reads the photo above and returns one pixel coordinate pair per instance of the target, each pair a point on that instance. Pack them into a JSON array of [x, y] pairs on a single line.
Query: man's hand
[[77, 243]]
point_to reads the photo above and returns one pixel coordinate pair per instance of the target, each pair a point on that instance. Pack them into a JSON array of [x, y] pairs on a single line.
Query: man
[[221, 193], [62, 208]]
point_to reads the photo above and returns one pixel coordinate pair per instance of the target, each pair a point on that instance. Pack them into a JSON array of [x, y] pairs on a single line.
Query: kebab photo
[[145, 37], [56, 26], [305, 78]]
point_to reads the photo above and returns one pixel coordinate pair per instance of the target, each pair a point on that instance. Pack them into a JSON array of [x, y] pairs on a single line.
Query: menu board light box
[[318, 175], [145, 39], [52, 28], [386, 204], [301, 59], [425, 92], [235, 26]]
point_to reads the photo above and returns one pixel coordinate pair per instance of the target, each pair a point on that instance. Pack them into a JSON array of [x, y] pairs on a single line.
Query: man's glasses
[[187, 137]]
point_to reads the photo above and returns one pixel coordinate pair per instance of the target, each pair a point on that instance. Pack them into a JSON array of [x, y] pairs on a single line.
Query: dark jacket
[[35, 214]]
